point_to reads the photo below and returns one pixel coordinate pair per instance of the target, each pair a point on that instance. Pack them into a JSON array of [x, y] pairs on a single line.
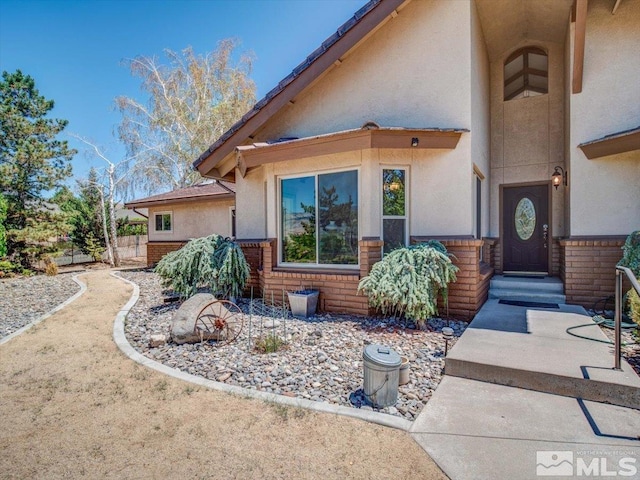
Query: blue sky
[[75, 49]]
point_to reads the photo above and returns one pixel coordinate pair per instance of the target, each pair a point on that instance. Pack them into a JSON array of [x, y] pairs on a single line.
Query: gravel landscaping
[[25, 299], [321, 361]]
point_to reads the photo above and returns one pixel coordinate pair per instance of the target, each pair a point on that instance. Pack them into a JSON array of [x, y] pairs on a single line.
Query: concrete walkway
[[478, 426]]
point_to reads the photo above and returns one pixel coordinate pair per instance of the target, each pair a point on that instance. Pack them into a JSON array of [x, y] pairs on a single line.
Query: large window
[[163, 222], [319, 219], [394, 208], [526, 73]]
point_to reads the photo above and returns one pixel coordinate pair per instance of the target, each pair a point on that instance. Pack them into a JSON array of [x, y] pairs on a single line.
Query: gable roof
[[363, 23], [218, 189]]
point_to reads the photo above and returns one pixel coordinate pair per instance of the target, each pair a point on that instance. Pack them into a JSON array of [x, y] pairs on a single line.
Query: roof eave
[[251, 156], [170, 201], [621, 142]]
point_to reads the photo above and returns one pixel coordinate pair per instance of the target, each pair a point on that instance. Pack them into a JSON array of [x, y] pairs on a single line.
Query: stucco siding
[[250, 205], [412, 72], [527, 135], [605, 192], [192, 220], [480, 116]]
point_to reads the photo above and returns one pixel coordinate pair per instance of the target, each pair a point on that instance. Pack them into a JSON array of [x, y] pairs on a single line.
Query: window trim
[[164, 212], [524, 73], [407, 202], [232, 222], [316, 265]]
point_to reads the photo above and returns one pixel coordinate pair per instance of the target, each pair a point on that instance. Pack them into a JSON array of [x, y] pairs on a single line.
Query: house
[[507, 129], [176, 217]]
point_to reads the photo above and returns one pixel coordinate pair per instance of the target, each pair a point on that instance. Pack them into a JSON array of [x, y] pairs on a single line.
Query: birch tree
[[114, 178], [192, 101]]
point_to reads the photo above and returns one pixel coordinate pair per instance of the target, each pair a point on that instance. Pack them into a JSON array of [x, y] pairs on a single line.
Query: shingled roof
[[363, 22], [218, 189]]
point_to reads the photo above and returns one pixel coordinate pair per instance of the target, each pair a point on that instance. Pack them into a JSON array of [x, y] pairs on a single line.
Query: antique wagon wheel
[[221, 321]]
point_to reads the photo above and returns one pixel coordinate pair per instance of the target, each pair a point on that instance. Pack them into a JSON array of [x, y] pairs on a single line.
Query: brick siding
[[587, 267], [157, 250]]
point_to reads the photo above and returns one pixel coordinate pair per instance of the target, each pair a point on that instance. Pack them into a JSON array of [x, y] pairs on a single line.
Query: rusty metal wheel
[[221, 321]]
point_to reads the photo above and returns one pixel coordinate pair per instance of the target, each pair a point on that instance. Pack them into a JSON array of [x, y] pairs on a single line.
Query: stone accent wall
[[587, 267], [471, 289], [157, 250]]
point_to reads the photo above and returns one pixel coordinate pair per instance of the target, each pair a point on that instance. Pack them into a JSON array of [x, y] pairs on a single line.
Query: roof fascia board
[[612, 145], [344, 44], [578, 44], [250, 157], [168, 201]]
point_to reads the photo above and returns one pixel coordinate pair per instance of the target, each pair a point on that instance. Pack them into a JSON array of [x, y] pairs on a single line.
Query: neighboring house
[[446, 119], [178, 216], [133, 217]]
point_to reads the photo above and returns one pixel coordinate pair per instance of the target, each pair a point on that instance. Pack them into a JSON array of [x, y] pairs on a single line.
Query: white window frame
[[407, 202], [316, 174], [167, 212]]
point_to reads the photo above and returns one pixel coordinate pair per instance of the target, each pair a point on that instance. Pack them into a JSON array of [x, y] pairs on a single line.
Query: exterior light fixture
[[447, 333], [559, 177], [414, 141]]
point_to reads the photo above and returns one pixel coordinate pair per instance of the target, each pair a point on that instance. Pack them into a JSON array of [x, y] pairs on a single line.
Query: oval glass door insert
[[525, 218]]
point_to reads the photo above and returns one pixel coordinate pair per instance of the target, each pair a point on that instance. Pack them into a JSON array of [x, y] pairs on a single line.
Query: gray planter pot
[[303, 302]]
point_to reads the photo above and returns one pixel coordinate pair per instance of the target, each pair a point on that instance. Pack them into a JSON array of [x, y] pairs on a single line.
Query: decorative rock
[[184, 321], [327, 369], [157, 340], [224, 377]]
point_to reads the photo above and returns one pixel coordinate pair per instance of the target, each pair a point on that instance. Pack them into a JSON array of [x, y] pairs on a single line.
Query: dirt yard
[[73, 406]]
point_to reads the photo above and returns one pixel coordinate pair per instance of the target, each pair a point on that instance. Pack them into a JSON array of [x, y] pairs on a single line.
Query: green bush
[[8, 268], [408, 281], [631, 260], [270, 344], [214, 261]]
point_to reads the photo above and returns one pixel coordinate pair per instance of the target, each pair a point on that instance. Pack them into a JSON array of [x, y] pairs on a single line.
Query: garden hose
[[600, 320]]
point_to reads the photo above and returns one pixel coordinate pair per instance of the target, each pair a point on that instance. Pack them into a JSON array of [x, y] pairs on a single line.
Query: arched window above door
[[526, 73]]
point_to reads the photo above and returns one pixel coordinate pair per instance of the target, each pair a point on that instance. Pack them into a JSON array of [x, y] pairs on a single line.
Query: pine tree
[[32, 161], [3, 230]]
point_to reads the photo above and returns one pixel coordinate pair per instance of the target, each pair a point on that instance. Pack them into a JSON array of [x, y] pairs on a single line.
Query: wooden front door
[[525, 229]]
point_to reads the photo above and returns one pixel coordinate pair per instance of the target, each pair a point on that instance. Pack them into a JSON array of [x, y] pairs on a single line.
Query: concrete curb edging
[[75, 296], [124, 345]]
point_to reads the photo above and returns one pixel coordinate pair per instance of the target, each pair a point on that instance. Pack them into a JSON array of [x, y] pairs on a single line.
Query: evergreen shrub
[[214, 262], [408, 281], [631, 260]]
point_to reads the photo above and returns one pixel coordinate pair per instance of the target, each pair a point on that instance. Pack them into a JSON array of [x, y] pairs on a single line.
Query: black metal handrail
[[618, 313]]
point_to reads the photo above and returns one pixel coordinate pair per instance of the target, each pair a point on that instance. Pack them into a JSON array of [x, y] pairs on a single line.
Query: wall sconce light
[[414, 141], [558, 177]]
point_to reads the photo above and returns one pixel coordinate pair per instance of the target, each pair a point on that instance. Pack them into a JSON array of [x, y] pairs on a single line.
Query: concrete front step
[[527, 296], [542, 284], [529, 348]]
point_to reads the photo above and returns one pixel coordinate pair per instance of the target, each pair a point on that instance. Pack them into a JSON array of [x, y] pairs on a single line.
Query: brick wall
[[471, 289], [157, 250], [253, 254], [339, 287], [587, 267], [492, 255]]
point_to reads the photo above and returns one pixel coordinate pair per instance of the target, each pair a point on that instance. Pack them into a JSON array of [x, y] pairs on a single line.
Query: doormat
[[518, 303]]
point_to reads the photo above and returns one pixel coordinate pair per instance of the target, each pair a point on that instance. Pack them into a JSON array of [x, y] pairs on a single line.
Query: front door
[[525, 229]]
